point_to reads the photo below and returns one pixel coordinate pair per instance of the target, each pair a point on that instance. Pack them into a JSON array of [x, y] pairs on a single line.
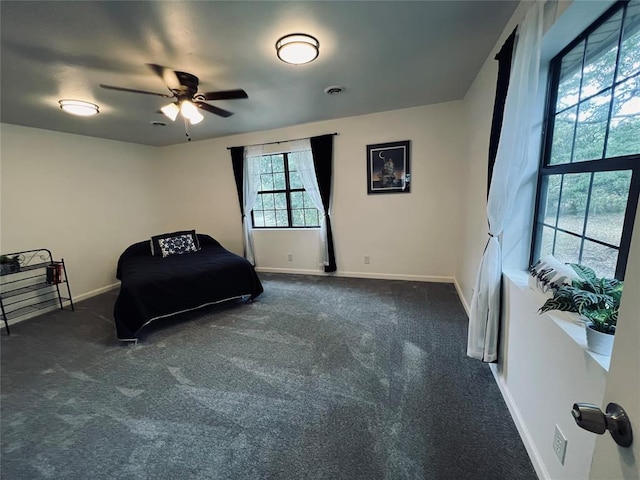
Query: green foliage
[[588, 125], [612, 192], [597, 299], [586, 273]]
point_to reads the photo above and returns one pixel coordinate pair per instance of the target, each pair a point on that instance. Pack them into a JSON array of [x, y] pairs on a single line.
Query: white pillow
[[549, 273]]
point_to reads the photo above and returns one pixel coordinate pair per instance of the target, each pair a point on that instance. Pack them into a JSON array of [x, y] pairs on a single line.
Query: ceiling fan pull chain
[[186, 129]]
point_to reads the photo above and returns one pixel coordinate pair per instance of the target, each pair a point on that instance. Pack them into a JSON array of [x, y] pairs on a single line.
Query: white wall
[[83, 198], [197, 177], [87, 199], [414, 235], [541, 370]]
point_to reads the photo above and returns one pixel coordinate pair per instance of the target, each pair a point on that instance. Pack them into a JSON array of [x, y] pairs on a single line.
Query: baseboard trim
[[523, 431], [378, 276], [293, 271], [66, 303], [396, 276], [95, 292], [465, 305]]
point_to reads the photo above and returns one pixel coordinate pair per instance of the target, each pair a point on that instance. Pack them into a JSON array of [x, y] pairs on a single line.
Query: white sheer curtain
[[251, 180], [517, 144], [300, 152]]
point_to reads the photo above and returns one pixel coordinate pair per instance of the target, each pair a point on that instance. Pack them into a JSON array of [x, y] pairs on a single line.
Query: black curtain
[[322, 150], [504, 57], [237, 159]]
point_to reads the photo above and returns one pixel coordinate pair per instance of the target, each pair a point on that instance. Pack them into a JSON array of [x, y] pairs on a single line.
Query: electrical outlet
[[367, 259], [559, 445], [290, 257]]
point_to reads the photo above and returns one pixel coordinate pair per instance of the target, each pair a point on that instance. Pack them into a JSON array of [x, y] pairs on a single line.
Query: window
[[589, 177], [282, 200]]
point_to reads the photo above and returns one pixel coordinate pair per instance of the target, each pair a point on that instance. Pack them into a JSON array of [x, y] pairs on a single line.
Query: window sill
[[285, 229], [567, 322]]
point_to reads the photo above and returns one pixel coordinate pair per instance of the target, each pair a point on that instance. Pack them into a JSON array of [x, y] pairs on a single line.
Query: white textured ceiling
[[387, 55]]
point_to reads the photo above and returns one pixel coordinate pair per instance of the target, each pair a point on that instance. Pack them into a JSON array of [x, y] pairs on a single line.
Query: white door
[[623, 381]]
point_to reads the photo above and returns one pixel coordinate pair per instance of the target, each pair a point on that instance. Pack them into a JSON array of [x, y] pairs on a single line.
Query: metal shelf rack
[[32, 282]]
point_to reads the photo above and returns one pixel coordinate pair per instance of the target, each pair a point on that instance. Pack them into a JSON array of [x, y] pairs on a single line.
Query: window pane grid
[[589, 179], [591, 128], [588, 207], [282, 201], [624, 127], [586, 237], [630, 40], [618, 82], [570, 78]]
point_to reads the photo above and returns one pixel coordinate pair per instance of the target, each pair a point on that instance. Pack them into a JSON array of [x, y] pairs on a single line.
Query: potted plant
[[595, 299], [9, 264]]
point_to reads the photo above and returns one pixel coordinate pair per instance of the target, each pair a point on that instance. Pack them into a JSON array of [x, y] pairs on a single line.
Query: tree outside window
[[590, 174], [282, 200]]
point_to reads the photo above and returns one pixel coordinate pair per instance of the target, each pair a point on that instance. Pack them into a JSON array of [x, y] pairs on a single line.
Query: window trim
[[626, 162], [287, 191]]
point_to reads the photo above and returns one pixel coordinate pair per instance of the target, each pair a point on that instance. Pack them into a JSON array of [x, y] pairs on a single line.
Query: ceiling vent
[[334, 90]]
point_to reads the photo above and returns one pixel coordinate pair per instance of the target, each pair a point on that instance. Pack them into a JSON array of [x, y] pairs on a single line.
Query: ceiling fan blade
[[169, 76], [225, 95], [214, 110], [132, 90]]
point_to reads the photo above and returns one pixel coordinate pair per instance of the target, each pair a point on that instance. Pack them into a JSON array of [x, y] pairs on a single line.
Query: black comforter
[[155, 287]]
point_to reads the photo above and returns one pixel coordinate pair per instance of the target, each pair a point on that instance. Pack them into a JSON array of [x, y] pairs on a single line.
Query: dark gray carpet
[[320, 378]]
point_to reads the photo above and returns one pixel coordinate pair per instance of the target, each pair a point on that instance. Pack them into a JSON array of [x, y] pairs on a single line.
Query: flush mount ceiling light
[[79, 107], [297, 48]]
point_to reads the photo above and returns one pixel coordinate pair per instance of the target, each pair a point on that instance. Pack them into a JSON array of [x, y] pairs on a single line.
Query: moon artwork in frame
[[388, 167]]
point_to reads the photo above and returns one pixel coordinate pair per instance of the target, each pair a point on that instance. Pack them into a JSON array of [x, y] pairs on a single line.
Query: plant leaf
[[603, 315], [584, 272], [613, 288], [561, 303], [584, 299], [597, 299]]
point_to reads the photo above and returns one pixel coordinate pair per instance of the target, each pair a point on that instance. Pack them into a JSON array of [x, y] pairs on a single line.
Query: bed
[[155, 285]]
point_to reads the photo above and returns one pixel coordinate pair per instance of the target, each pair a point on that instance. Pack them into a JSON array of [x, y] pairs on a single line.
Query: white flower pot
[[598, 342]]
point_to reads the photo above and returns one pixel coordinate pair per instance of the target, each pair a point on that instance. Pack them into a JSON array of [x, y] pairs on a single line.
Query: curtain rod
[[283, 141]]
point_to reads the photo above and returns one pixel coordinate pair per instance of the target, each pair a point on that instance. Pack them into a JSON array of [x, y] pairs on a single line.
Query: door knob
[[591, 418]]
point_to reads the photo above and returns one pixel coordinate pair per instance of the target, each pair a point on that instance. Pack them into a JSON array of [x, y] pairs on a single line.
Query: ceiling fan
[[184, 89]]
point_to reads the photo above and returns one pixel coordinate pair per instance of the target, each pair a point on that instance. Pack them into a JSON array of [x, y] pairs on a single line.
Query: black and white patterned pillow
[[155, 245], [549, 273], [177, 245]]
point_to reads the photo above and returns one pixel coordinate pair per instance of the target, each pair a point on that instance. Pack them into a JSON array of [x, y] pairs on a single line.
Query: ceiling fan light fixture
[[196, 118], [297, 48], [171, 111], [190, 112], [79, 107]]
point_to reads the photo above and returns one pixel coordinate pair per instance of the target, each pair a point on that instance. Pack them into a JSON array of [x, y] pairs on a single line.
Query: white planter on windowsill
[[598, 342]]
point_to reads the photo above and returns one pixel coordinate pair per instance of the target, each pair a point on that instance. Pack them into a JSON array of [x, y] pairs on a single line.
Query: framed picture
[[388, 167]]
